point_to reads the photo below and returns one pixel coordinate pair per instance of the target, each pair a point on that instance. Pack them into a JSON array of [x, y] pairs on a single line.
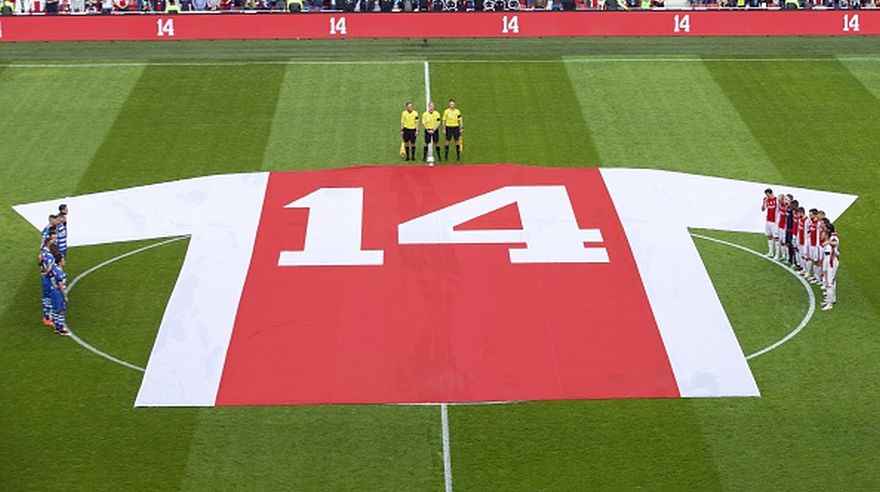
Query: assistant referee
[[453, 123], [409, 124]]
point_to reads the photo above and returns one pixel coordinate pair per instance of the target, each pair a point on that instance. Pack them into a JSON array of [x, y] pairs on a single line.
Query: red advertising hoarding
[[436, 25]]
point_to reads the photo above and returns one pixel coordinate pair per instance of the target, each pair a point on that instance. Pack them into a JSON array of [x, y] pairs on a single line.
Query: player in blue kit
[[59, 296], [53, 221], [47, 263], [61, 227]]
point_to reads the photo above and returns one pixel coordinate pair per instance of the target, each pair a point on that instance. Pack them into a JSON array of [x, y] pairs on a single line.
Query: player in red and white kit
[[781, 211], [812, 229], [801, 240], [769, 207], [830, 263]]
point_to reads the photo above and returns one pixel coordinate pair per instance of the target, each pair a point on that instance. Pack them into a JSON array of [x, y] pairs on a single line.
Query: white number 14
[[549, 228]]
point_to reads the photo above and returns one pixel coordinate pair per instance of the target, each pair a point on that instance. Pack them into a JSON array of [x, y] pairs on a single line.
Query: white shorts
[[771, 229], [830, 275], [813, 253]]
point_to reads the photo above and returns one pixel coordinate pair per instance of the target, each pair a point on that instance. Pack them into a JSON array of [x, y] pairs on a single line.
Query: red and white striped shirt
[[801, 230], [813, 228], [770, 208], [783, 209]]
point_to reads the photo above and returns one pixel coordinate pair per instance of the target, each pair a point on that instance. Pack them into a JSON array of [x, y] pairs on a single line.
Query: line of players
[[53, 280], [409, 126], [805, 239]]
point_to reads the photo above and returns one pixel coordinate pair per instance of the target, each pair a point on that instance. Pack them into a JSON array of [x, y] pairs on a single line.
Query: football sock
[[770, 247], [437, 152], [446, 153], [425, 153], [458, 151]]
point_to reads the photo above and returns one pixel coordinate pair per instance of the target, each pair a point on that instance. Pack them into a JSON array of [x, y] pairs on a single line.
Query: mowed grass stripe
[[865, 72], [519, 113], [46, 146], [811, 120], [531, 114], [327, 116], [666, 116], [52, 406], [188, 121], [341, 115], [175, 124]]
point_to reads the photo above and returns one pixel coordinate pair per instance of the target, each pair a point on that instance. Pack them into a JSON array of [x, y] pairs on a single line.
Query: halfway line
[[428, 100], [447, 458]]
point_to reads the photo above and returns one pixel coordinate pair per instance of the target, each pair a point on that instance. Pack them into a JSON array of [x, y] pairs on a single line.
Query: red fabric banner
[[436, 25]]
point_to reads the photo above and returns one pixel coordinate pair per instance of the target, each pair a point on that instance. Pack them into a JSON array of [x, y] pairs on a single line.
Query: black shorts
[[409, 135], [453, 132], [432, 137]]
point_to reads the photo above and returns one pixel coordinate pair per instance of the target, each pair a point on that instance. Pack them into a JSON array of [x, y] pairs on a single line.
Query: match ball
[[430, 160]]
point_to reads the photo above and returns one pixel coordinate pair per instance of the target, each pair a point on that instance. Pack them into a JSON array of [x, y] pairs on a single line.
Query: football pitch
[[89, 117]]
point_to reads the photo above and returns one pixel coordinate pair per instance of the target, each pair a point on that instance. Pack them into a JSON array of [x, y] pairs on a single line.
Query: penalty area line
[[810, 295], [82, 343]]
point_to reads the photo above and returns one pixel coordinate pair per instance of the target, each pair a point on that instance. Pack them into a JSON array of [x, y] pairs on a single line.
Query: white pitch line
[[810, 311], [82, 343], [447, 457], [810, 295], [444, 408], [440, 60], [428, 100]]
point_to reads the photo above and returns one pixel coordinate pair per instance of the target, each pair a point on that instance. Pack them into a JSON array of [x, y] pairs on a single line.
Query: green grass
[[66, 416]]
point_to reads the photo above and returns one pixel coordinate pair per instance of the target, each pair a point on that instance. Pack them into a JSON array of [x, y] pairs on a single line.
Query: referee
[[453, 123], [431, 122], [409, 124]]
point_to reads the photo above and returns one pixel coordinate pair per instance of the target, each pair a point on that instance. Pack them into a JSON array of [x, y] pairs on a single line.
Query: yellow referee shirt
[[409, 119], [431, 121], [452, 117]]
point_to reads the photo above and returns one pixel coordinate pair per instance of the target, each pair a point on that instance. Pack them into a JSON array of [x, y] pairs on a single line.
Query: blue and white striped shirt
[[59, 278], [61, 228], [47, 261]]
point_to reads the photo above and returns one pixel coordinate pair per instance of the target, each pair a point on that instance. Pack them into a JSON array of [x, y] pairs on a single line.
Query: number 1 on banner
[[682, 23], [333, 233], [337, 26]]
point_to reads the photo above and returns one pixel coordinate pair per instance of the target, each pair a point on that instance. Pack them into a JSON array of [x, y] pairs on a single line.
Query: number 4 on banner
[[549, 226]]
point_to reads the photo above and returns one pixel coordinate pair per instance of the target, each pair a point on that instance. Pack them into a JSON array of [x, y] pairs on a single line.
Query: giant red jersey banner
[[403, 284], [435, 25]]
